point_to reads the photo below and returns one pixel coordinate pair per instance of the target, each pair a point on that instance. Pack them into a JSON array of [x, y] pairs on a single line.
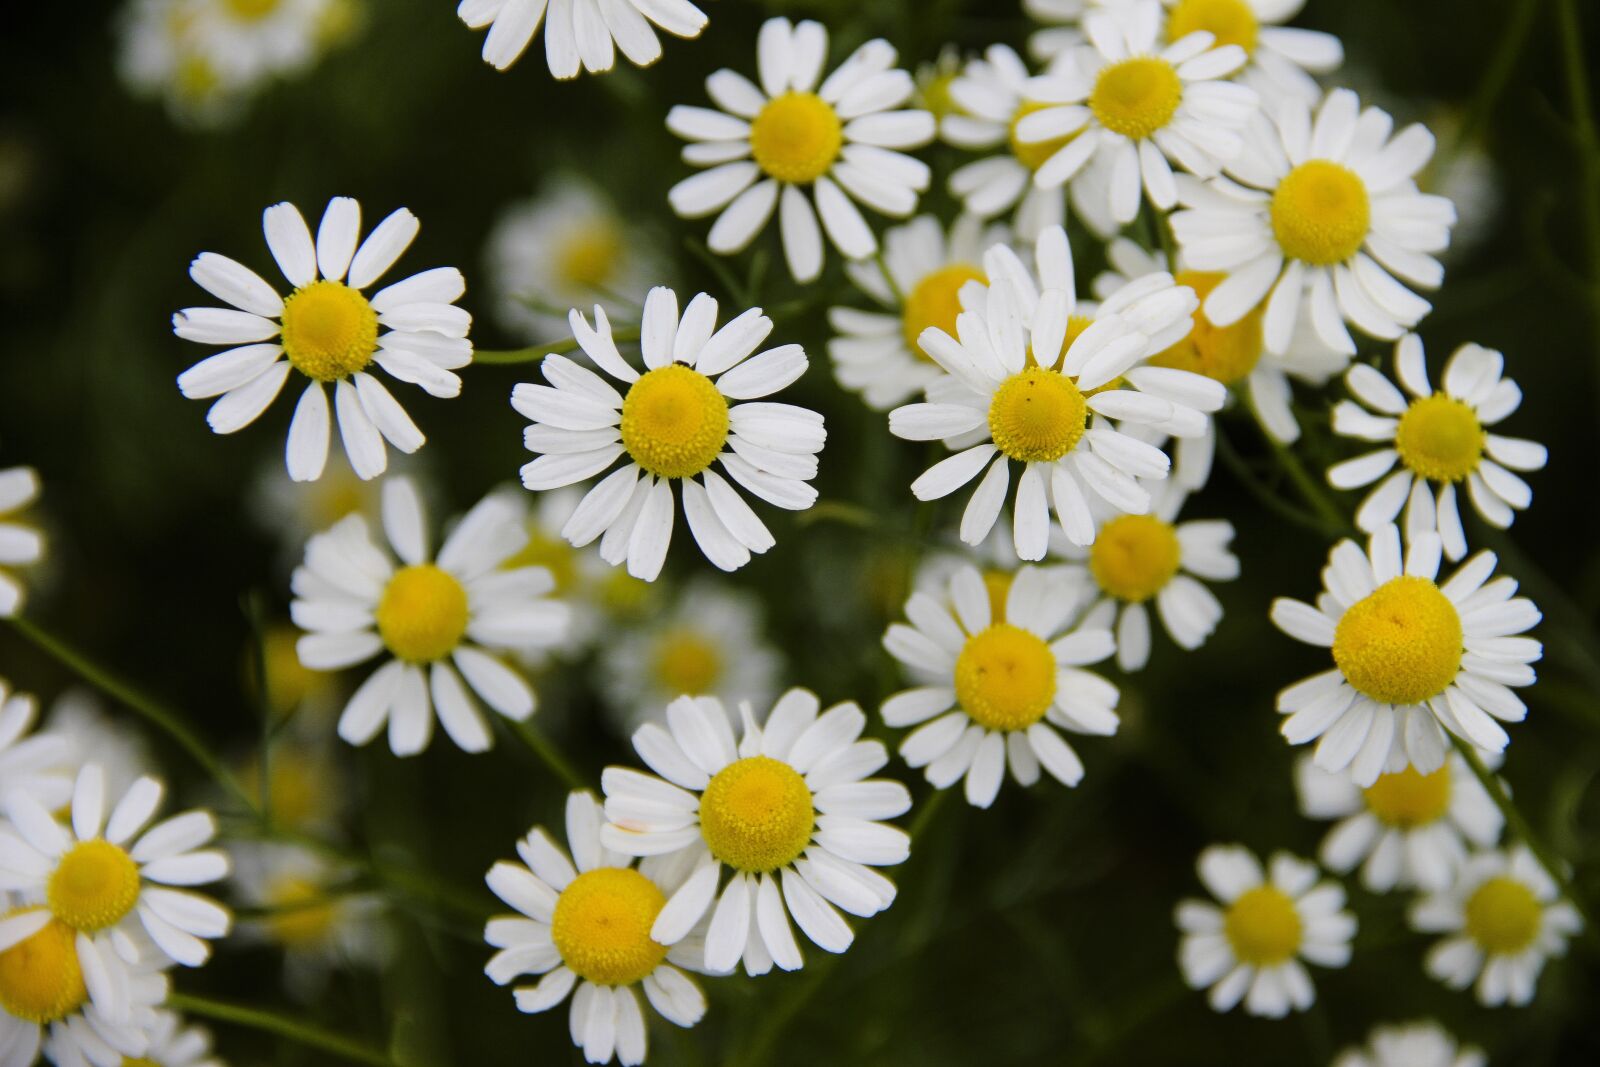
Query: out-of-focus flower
[[586, 33]]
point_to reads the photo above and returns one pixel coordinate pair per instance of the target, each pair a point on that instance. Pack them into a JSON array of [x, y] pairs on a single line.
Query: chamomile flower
[[173, 1042], [1412, 656], [1270, 924], [1031, 381], [1436, 439], [327, 329], [21, 544], [253, 39], [674, 422], [439, 619], [1062, 26], [1504, 917], [39, 763], [586, 33], [917, 286], [1407, 830], [842, 140], [159, 57], [97, 736], [588, 919], [787, 809], [1420, 1044], [998, 688], [1326, 209]]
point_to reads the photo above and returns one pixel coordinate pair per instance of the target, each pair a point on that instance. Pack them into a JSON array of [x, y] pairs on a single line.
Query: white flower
[[1412, 830], [1438, 438], [1421, 1044], [97, 736], [258, 38], [174, 1043], [673, 424], [586, 32], [1032, 381], [434, 617], [327, 329], [997, 688], [1411, 655], [785, 808], [589, 921], [1505, 918], [841, 139], [1329, 209], [20, 544], [40, 763], [1251, 948]]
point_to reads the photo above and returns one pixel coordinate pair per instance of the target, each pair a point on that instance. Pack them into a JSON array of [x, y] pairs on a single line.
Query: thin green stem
[[1495, 76], [500, 357], [1265, 496], [255, 611], [551, 756], [286, 1026], [1311, 490]]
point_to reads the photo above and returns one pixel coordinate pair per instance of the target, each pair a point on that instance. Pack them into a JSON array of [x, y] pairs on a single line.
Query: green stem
[[1495, 75], [282, 1025], [551, 756], [501, 357], [1578, 92], [1312, 491], [1265, 496]]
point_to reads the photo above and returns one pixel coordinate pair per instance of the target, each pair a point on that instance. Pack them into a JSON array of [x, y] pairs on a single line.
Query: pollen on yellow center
[[329, 330], [93, 886], [1134, 557], [674, 421], [1440, 438], [796, 137], [1037, 415], [998, 585], [756, 814], [1223, 353], [1321, 213], [1035, 154], [40, 978], [1229, 21], [251, 10], [1406, 799], [602, 925], [1136, 97], [685, 662], [1263, 926], [423, 613], [1503, 916], [935, 302], [302, 912], [588, 258], [1005, 677], [1401, 644]]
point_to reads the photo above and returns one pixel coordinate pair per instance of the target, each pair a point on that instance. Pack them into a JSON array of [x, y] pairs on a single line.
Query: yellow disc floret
[[998, 585], [1223, 353], [1005, 677], [1037, 415], [329, 330], [1406, 799], [685, 662], [303, 913], [40, 979], [251, 10], [756, 814], [554, 554], [93, 886], [1134, 557], [1503, 916], [1263, 926], [935, 302], [588, 258], [1401, 644], [423, 613], [1136, 97], [1229, 21], [674, 421], [1440, 438], [796, 137], [1321, 213], [602, 925], [1034, 154]]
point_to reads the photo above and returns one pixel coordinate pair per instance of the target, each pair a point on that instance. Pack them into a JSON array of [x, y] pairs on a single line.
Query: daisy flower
[[1505, 917], [579, 32], [587, 920], [1412, 830], [439, 619], [327, 329], [39, 763], [175, 1043], [1032, 382], [785, 809], [997, 689], [674, 422], [1412, 656], [158, 57], [917, 285], [1138, 107], [254, 39], [1327, 209], [20, 544], [1421, 1044], [1252, 947], [1436, 439], [767, 144]]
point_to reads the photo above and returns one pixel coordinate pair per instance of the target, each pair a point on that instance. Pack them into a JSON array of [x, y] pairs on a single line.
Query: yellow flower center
[[588, 258], [1137, 96], [1406, 799], [685, 662], [674, 421], [1134, 557], [998, 586], [422, 614], [196, 79], [1263, 926], [934, 95], [554, 554], [1503, 916], [1005, 677], [1035, 155], [139, 1061], [623, 594], [251, 10], [756, 814], [289, 682], [329, 330], [1400, 644], [1037, 415], [298, 790], [796, 137], [40, 979], [602, 926], [1440, 438], [1229, 21], [94, 885], [1224, 353], [935, 302], [1320, 213], [303, 914]]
